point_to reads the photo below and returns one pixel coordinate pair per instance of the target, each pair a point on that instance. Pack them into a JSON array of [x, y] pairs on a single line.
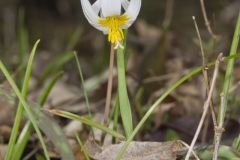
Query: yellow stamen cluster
[[114, 23]]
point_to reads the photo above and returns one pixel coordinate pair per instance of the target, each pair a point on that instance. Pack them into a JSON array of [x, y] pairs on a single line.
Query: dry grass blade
[[205, 107], [86, 121]]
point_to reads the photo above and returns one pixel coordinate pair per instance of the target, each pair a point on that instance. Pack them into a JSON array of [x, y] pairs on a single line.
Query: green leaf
[[49, 127], [26, 108], [26, 132], [125, 108], [86, 121]]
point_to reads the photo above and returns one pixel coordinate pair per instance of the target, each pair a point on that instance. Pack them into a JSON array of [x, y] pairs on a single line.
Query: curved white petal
[[91, 15], [111, 7], [132, 12], [125, 4], [97, 6]]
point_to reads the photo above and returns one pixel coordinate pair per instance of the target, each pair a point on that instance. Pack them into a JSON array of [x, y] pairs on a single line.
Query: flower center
[[114, 23]]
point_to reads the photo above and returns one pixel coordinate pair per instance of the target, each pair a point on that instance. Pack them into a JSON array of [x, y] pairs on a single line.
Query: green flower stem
[[125, 108]]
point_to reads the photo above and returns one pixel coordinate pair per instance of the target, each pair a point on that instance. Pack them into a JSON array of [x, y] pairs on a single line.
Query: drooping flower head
[[111, 16]]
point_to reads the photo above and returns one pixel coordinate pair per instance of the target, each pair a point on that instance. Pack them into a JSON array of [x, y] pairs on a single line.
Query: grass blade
[[86, 121], [50, 128], [26, 107], [229, 71], [226, 85], [84, 151], [83, 84], [25, 134], [19, 113]]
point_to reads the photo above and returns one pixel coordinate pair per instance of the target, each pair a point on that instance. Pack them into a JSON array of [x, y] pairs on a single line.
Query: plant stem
[[206, 81], [109, 87], [205, 107], [228, 76], [227, 82], [218, 130]]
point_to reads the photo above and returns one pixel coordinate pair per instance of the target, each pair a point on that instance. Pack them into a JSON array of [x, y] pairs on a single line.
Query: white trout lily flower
[[107, 16]]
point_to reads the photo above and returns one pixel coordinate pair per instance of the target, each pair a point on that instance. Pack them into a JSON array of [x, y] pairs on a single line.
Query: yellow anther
[[114, 24]]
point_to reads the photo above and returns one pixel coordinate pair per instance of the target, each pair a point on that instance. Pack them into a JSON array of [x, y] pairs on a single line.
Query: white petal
[[125, 4], [97, 6], [91, 15], [111, 7], [132, 12]]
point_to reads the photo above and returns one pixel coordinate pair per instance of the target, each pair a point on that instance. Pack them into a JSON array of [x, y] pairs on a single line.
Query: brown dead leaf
[[136, 151]]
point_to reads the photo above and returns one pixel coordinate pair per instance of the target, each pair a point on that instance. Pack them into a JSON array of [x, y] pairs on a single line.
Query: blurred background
[[162, 45]]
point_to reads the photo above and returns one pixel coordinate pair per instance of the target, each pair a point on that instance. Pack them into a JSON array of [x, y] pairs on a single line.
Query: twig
[[206, 80], [218, 132], [200, 41], [109, 87], [193, 152], [207, 23], [205, 107]]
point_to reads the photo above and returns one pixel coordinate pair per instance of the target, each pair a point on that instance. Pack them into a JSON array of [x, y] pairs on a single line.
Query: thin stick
[[218, 132], [205, 75], [193, 152], [109, 87], [205, 107], [207, 23], [200, 41]]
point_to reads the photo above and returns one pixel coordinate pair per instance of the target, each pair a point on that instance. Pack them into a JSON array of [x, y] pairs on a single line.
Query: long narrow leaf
[[86, 121], [125, 108], [25, 134], [19, 113], [228, 76], [26, 107], [49, 127], [84, 150]]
